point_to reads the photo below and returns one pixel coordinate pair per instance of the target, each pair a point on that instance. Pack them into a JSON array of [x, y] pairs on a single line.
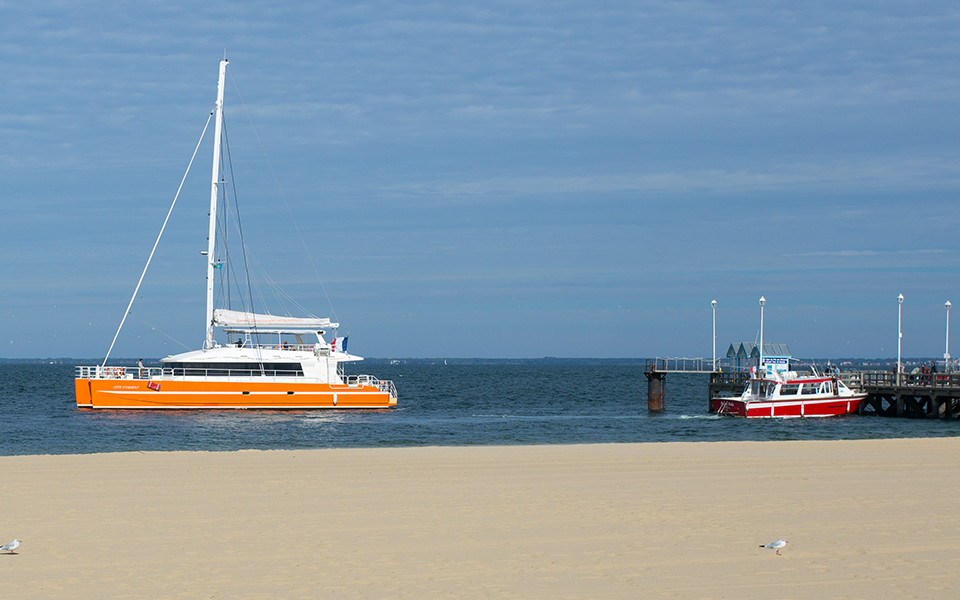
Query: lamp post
[[762, 302], [946, 352], [899, 334], [713, 305]]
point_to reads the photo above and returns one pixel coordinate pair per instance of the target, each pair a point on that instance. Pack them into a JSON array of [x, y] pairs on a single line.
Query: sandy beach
[[864, 519]]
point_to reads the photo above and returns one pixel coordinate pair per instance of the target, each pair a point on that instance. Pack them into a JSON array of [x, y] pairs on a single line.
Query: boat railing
[[134, 372], [388, 387], [114, 372], [291, 347], [384, 386], [98, 372]]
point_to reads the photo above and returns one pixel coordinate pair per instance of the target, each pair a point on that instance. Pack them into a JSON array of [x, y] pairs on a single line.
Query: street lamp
[[899, 334], [762, 302], [946, 352], [713, 305]]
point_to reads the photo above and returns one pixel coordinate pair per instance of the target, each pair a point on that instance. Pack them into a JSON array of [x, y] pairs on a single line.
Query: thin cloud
[[875, 175], [870, 253]]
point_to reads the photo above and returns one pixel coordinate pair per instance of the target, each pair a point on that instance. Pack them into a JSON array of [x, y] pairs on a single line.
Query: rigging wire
[[155, 328], [236, 216], [278, 291], [286, 204], [222, 244], [154, 249], [243, 245]]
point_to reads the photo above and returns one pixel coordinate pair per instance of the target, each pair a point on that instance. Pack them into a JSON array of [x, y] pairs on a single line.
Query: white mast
[[214, 187]]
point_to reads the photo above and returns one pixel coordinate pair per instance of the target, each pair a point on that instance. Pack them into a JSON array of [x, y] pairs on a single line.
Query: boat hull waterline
[[823, 407], [789, 394], [226, 395]]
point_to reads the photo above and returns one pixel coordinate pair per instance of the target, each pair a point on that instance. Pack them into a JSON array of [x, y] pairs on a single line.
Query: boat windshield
[[761, 389]]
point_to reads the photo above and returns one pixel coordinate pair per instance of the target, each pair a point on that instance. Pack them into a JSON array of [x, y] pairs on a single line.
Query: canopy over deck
[[258, 322], [261, 331]]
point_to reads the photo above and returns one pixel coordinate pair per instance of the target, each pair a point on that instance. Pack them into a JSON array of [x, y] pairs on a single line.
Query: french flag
[[340, 344]]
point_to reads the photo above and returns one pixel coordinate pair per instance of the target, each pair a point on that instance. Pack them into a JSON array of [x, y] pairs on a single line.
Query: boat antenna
[[303, 242], [152, 251]]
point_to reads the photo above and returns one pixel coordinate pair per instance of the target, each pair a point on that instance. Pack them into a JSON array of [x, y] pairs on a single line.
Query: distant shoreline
[[844, 362]]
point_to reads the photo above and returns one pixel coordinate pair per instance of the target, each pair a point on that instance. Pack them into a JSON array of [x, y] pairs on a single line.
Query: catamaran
[[267, 361]]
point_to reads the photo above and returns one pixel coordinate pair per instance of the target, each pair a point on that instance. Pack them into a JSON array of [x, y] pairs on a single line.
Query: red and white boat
[[788, 394]]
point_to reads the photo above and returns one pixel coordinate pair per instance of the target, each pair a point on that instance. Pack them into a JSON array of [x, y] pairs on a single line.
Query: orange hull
[[207, 394]]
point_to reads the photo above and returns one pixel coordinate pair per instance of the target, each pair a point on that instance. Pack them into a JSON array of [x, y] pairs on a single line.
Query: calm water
[[456, 405]]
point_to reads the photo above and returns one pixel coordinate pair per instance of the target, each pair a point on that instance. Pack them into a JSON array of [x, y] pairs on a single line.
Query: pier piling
[[656, 391], [924, 396]]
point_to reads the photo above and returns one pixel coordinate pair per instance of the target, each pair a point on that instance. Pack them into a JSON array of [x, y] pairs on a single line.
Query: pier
[[656, 371], [924, 396]]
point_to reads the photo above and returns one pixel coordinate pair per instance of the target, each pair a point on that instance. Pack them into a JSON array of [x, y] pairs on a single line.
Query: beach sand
[[864, 519]]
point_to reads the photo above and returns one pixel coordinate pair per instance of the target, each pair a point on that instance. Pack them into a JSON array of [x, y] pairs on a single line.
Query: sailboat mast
[[214, 189]]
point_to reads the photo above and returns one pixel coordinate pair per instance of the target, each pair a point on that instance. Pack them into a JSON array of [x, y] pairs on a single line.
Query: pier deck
[[928, 395]]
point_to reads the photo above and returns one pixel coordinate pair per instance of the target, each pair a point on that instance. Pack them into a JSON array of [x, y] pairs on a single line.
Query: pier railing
[[886, 379], [681, 365]]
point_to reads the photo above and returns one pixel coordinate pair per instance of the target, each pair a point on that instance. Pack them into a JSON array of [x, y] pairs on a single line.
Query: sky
[[497, 179]]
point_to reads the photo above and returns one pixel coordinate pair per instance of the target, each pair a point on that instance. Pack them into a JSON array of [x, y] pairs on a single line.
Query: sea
[[439, 405]]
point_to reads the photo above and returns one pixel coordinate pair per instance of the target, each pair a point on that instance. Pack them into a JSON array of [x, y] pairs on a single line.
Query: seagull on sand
[[10, 547], [775, 545]]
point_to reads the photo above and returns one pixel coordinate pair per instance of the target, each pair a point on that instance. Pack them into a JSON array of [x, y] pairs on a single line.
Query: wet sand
[[864, 519]]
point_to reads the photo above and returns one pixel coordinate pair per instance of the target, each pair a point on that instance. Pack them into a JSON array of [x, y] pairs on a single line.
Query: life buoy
[[118, 372]]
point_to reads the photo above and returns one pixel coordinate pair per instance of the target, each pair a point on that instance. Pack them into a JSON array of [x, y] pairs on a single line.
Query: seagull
[[772, 545], [10, 547]]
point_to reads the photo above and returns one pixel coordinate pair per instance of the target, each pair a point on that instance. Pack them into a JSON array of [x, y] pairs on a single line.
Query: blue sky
[[496, 179]]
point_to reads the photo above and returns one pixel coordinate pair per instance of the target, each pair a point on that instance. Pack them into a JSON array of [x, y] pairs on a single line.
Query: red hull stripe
[[823, 407]]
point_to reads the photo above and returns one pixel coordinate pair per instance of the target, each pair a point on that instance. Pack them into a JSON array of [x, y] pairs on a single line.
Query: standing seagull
[[775, 545], [10, 547]]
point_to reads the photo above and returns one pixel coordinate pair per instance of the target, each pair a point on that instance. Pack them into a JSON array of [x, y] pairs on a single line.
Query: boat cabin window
[[789, 389], [762, 389], [809, 388], [236, 369]]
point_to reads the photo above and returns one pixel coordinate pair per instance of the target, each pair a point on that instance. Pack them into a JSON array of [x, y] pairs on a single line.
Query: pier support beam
[[656, 392]]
